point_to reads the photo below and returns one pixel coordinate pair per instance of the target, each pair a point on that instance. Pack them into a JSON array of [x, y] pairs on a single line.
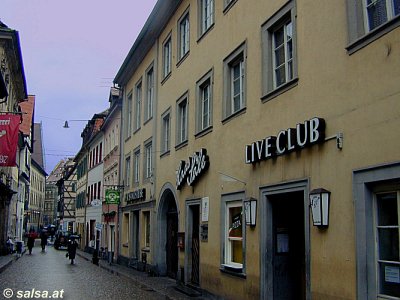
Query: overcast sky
[[72, 50]]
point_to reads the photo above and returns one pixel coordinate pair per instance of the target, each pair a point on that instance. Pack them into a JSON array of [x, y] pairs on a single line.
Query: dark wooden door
[[195, 274], [172, 244]]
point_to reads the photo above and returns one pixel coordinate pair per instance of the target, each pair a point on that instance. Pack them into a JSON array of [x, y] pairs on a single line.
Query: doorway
[[172, 242], [285, 240], [192, 262], [135, 234]]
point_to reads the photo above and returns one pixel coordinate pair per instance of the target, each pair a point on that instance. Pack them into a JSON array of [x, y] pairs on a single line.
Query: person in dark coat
[[43, 240], [72, 245], [31, 240]]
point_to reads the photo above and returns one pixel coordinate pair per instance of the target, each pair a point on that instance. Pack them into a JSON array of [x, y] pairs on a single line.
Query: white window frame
[[182, 115], [236, 58], [149, 93], [138, 105], [270, 88], [184, 35], [206, 15], [128, 171], [376, 230], [129, 115], [205, 83], [287, 64], [390, 13], [148, 165], [136, 167], [167, 56], [230, 201], [166, 132]]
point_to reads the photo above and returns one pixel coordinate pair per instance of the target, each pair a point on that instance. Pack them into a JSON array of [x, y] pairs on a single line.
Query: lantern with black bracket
[[250, 209], [319, 203]]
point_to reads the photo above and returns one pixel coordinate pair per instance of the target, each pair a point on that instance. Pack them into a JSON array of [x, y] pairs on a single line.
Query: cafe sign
[[191, 170], [305, 134]]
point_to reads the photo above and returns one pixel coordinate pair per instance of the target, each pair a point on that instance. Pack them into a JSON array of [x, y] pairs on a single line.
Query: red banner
[[9, 128]]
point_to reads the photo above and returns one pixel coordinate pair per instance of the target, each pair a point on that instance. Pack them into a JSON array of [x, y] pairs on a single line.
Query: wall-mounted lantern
[[250, 209], [319, 203]]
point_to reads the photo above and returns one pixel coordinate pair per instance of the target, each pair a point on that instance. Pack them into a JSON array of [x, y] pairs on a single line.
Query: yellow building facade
[[265, 104]]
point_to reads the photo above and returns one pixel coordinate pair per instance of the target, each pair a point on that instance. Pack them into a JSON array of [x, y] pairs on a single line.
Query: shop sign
[[9, 128], [191, 170], [96, 202], [112, 196], [136, 196], [305, 134]]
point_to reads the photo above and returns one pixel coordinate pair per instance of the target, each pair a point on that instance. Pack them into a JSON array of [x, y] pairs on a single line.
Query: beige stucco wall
[[356, 94]]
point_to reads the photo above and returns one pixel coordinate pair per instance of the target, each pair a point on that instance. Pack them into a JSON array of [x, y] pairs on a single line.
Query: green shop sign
[[112, 197]]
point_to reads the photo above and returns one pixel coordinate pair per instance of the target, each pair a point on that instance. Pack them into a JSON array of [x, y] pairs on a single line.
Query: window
[[167, 57], [377, 211], [206, 17], [387, 232], [378, 12], [204, 102], [127, 171], [282, 47], [150, 94], [148, 161], [166, 130], [136, 167], [233, 233], [369, 20], [183, 32], [279, 52], [235, 84], [128, 117], [138, 105], [182, 120]]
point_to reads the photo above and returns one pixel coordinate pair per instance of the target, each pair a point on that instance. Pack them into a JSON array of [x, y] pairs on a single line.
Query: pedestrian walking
[[43, 240], [72, 245], [31, 240]]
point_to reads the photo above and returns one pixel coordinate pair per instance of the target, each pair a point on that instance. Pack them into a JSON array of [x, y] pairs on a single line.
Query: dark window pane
[[387, 209], [377, 13], [396, 7], [388, 244]]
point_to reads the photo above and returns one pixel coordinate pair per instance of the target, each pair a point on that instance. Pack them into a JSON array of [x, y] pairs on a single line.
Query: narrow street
[[50, 275]]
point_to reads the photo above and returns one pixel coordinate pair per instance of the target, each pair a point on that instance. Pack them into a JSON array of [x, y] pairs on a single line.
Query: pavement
[[165, 286]]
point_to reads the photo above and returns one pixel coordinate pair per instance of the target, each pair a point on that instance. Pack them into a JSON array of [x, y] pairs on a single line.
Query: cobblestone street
[[50, 273]]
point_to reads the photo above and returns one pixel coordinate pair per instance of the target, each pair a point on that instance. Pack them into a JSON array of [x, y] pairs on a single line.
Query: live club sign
[[305, 134], [191, 170]]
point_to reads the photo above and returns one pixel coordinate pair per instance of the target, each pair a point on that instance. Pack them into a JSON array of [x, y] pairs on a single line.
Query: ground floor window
[[233, 237], [387, 206], [377, 206]]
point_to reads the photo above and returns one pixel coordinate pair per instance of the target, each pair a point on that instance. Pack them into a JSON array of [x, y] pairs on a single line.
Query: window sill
[[182, 59], [229, 6], [234, 115], [232, 270], [280, 90], [203, 132], [166, 78], [165, 153], [373, 35], [203, 34], [181, 145]]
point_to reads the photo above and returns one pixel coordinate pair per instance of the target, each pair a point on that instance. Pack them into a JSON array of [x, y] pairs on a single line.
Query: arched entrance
[[168, 233]]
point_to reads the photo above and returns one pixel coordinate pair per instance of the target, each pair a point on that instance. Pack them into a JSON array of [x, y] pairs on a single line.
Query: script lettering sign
[[191, 170]]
